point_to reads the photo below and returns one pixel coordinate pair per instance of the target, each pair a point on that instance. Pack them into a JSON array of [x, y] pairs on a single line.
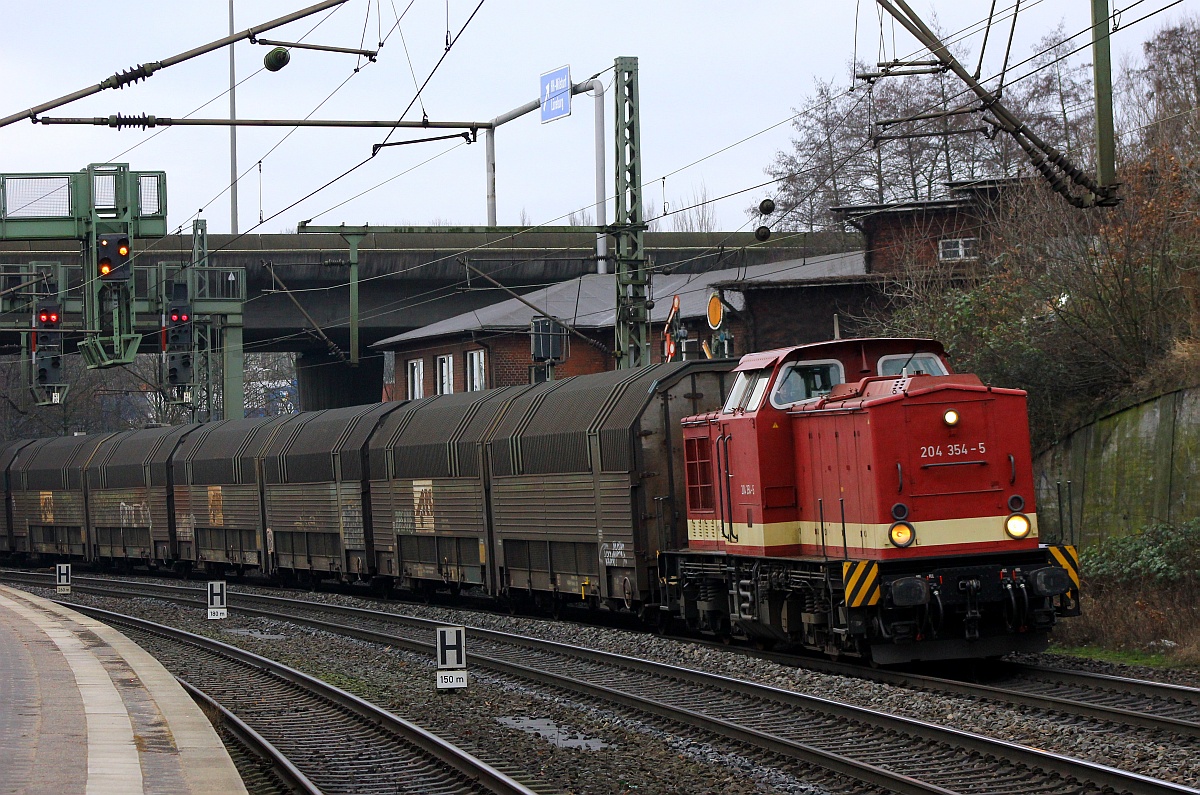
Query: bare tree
[[904, 139], [1081, 308], [270, 384], [696, 213]]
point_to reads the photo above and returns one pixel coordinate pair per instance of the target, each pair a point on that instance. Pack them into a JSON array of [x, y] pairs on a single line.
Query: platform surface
[[83, 709]]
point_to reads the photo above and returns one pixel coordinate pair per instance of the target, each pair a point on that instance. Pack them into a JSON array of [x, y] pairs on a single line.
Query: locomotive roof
[[839, 349]]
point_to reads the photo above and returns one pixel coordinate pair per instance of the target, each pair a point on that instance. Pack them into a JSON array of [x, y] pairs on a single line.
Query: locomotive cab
[[859, 497]]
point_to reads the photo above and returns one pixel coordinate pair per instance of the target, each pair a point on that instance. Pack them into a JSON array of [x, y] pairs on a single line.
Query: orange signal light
[[123, 251], [105, 268]]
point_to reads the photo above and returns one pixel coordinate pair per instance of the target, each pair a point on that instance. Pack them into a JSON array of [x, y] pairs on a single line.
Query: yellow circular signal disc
[[716, 312]]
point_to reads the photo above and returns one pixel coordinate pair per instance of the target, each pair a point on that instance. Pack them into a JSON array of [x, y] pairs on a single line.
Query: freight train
[[854, 496]]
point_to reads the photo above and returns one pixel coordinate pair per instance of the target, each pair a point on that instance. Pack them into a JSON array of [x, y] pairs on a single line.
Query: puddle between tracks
[[551, 732]]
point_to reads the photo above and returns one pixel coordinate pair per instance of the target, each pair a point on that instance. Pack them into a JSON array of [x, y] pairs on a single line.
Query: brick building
[[490, 347], [950, 231]]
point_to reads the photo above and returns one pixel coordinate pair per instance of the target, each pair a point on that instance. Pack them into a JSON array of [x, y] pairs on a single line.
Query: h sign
[[217, 602], [451, 647], [62, 577]]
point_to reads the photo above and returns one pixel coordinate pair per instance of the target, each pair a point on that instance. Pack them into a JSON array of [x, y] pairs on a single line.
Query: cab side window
[[914, 364], [802, 381], [748, 390]]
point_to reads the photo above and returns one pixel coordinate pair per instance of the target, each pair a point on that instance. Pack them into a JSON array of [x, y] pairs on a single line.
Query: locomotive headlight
[[950, 417], [902, 534], [1017, 526]]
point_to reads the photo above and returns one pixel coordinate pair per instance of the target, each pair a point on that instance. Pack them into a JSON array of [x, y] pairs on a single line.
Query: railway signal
[[112, 258], [48, 317], [48, 367], [179, 327], [179, 369], [178, 343], [47, 347]]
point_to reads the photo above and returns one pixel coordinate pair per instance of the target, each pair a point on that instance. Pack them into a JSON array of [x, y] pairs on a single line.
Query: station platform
[[83, 709]]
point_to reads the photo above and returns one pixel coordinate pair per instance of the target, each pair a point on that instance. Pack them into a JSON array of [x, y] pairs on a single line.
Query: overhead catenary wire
[[716, 199], [682, 209]]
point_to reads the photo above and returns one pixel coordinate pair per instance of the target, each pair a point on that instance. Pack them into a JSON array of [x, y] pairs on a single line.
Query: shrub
[[1162, 554]]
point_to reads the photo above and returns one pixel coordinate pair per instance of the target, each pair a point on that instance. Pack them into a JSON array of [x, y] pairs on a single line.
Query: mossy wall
[[1123, 472]]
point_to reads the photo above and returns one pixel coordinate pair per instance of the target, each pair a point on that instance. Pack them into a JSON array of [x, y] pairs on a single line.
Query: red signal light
[[174, 318], [44, 317], [54, 318], [184, 318]]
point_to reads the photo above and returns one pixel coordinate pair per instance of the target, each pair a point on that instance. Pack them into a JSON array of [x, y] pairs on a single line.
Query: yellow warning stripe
[[861, 580], [1068, 558]]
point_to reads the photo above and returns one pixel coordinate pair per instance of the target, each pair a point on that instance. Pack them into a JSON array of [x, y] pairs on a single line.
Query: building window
[[476, 371], [445, 375], [957, 249], [416, 379]]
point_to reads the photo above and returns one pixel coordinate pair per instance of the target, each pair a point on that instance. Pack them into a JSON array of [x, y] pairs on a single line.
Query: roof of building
[[588, 302], [923, 205]]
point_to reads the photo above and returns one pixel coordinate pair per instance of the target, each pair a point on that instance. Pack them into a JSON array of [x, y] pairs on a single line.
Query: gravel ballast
[[642, 755]]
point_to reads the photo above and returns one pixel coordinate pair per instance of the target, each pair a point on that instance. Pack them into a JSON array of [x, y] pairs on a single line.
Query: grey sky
[[712, 73]]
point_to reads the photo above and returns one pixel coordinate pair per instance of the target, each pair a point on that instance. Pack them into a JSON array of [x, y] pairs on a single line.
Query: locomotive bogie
[[890, 612]]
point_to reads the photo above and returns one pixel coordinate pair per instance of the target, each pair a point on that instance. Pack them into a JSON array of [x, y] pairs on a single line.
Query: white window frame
[[958, 249], [414, 378], [839, 374], [445, 374], [476, 370]]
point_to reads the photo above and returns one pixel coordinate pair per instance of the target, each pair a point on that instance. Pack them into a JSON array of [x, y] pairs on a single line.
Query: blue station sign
[[556, 94]]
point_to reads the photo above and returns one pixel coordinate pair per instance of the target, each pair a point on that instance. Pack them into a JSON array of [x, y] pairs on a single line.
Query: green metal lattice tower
[[115, 319], [633, 279]]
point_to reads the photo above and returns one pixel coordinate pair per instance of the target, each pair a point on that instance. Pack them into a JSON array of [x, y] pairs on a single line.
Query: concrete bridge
[[405, 281]]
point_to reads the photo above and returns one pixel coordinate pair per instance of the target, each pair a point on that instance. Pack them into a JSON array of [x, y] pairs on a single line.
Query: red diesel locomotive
[[858, 497], [853, 496]]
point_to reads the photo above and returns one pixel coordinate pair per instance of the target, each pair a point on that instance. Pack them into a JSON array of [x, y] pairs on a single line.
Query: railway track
[[1157, 706], [322, 739], [891, 752]]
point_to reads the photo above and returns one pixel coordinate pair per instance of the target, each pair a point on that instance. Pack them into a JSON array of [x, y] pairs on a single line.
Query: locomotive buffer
[[451, 648]]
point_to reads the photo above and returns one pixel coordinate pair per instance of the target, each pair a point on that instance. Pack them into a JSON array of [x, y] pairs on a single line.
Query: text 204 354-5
[[942, 450]]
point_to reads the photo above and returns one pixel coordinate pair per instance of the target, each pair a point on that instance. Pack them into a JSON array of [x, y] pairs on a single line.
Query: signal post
[[46, 349]]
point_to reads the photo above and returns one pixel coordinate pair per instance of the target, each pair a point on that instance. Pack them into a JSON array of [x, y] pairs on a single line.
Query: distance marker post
[[451, 645], [218, 605]]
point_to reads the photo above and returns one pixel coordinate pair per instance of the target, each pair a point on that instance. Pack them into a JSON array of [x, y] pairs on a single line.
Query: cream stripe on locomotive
[[706, 533]]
